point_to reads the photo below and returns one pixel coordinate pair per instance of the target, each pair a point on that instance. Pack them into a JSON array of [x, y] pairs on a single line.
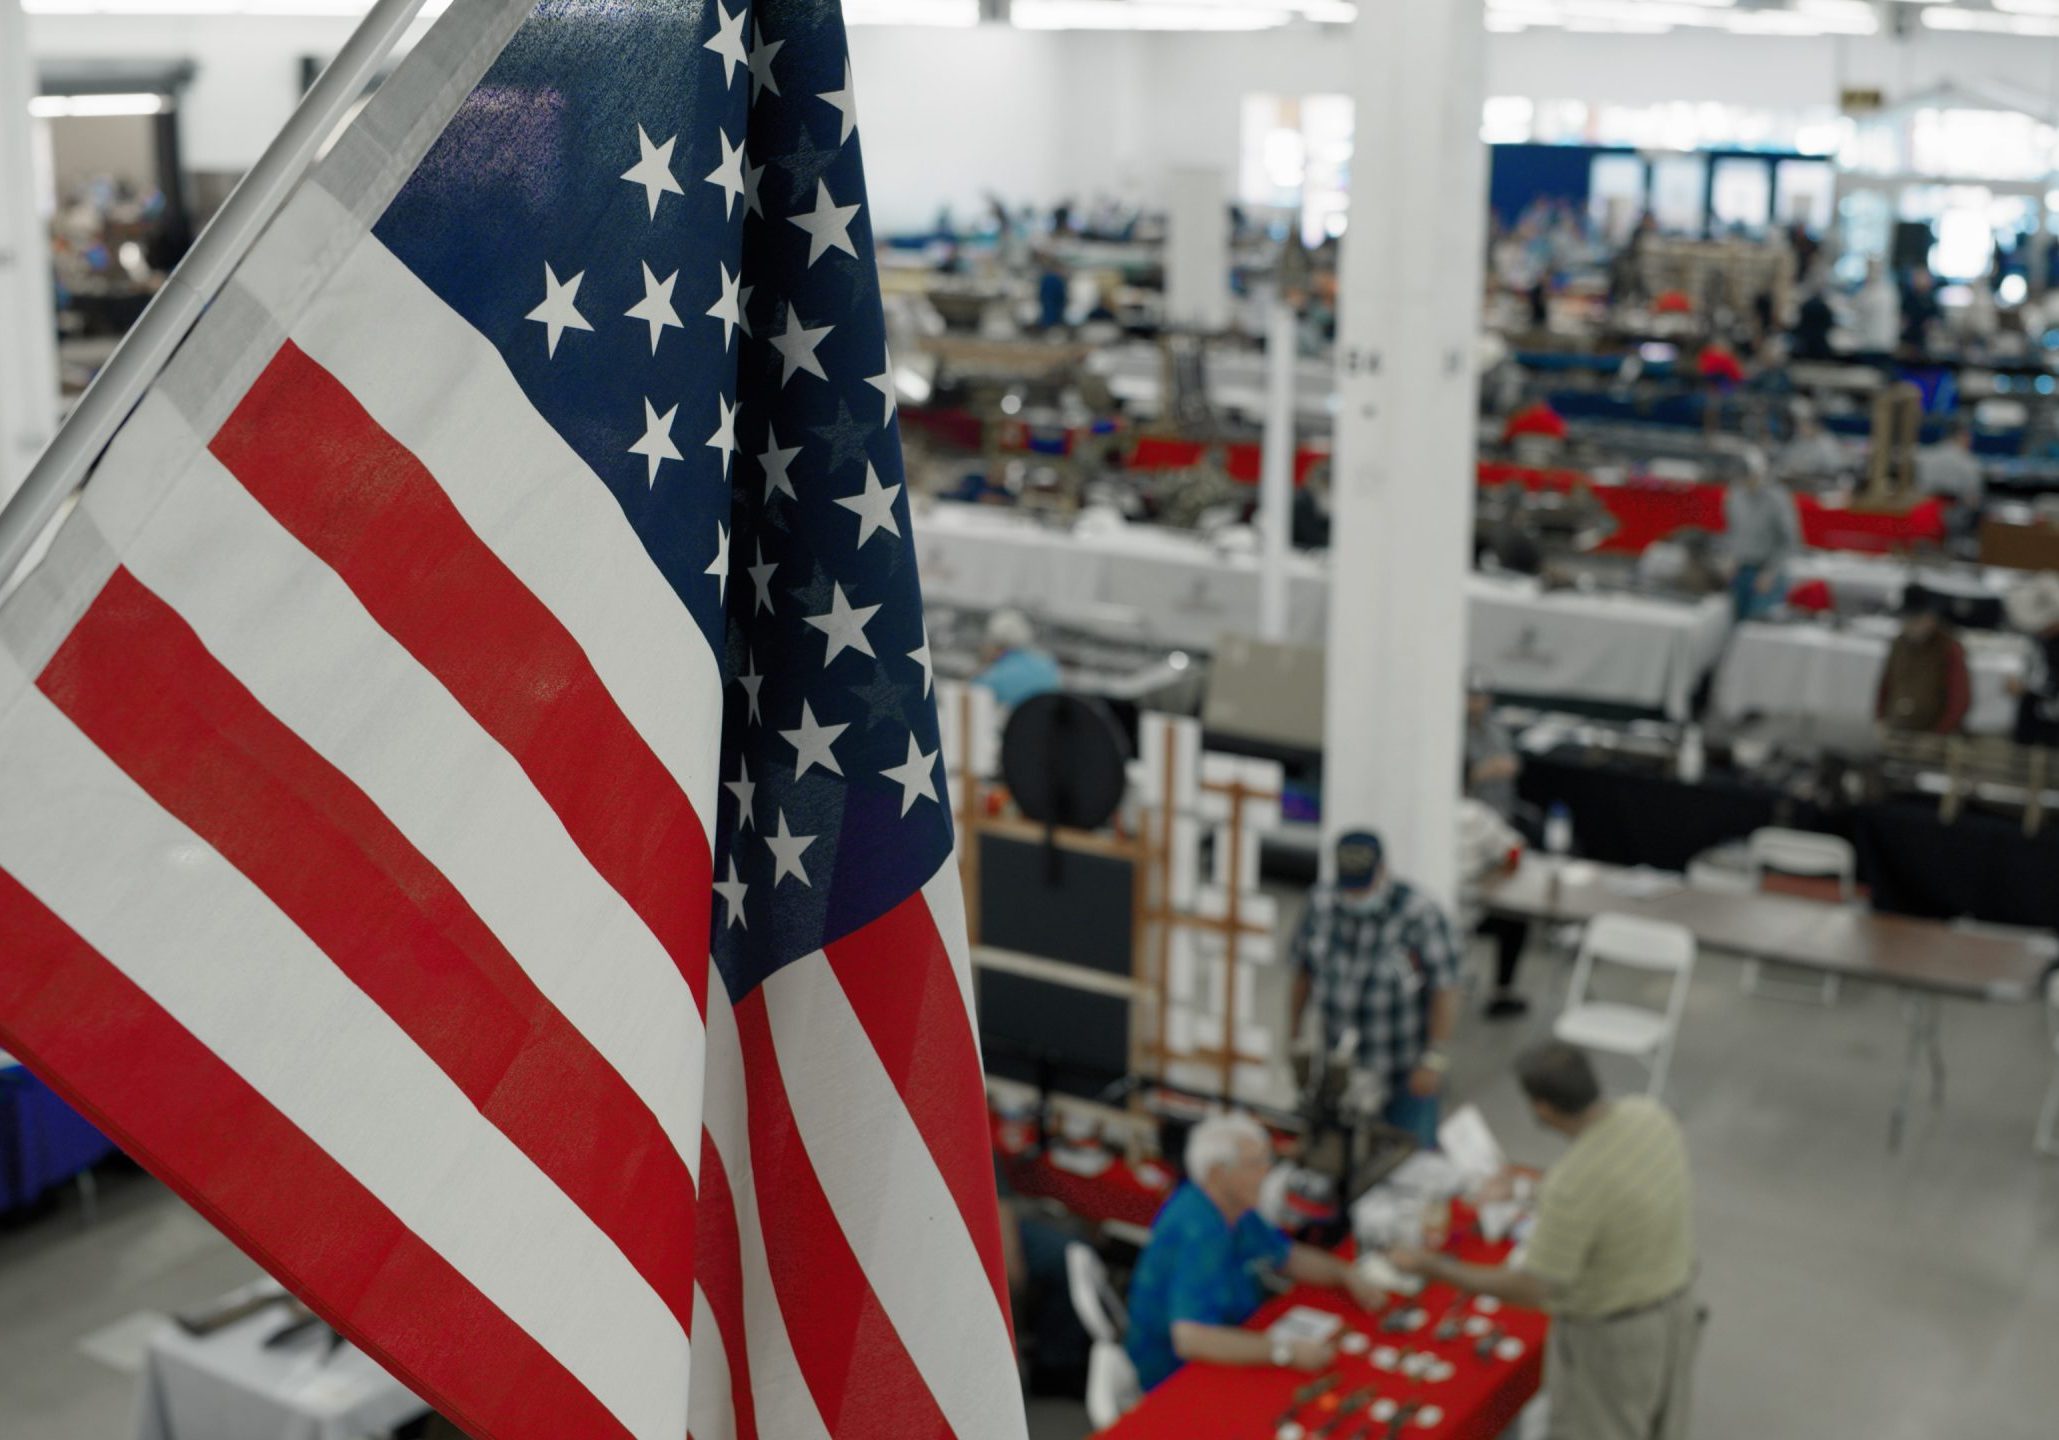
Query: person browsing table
[[1198, 1279], [1611, 1257], [1379, 959]]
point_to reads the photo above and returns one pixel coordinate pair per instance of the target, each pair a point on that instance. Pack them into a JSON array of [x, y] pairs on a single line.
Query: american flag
[[502, 605]]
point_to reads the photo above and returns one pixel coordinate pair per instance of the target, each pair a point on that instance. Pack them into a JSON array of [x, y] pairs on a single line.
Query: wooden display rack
[[1154, 918]]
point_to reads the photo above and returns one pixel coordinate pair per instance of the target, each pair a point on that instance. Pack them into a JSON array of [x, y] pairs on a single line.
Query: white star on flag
[[761, 576], [729, 174], [724, 438], [732, 891], [719, 566], [775, 460], [745, 789], [728, 43], [846, 102], [743, 308], [728, 306], [761, 63], [883, 382], [655, 309], [656, 446], [811, 742], [556, 314], [752, 683], [921, 657], [752, 204], [828, 225], [874, 507], [844, 624], [796, 347], [915, 776], [787, 849], [653, 170]]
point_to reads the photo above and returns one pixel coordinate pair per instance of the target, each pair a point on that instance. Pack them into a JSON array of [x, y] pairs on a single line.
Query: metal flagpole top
[[143, 352]]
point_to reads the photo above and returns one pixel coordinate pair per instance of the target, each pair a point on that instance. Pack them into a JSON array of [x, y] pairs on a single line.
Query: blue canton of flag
[[677, 264]]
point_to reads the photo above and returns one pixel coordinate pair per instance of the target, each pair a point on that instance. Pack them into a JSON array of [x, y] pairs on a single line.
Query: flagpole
[[194, 283]]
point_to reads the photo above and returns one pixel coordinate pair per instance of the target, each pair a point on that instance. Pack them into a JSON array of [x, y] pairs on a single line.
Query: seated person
[[1197, 1281], [1924, 688], [1016, 669]]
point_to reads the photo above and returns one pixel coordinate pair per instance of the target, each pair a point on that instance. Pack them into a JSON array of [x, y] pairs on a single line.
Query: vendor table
[[1878, 582], [1647, 509], [43, 1141], [228, 1386], [1479, 1401], [1833, 675], [1631, 814], [1092, 1182], [1978, 866], [1174, 588], [1926, 961], [1592, 646]]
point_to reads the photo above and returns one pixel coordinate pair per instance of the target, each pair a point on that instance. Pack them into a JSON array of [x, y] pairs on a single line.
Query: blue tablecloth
[[43, 1141]]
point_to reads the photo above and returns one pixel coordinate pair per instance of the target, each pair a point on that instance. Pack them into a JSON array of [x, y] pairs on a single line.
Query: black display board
[[1078, 912]]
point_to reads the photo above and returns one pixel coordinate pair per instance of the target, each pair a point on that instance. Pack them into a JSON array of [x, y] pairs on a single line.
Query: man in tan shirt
[[1611, 1257]]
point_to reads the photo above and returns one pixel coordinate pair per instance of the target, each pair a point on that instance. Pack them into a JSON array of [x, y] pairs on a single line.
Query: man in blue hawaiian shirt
[[1198, 1280]]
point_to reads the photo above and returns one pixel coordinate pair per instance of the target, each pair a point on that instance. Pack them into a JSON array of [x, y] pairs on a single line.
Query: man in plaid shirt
[[1381, 962]]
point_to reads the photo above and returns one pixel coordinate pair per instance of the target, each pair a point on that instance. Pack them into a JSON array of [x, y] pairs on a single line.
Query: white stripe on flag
[[709, 1414], [945, 897], [785, 1407], [898, 1215], [440, 388], [208, 947], [305, 647]]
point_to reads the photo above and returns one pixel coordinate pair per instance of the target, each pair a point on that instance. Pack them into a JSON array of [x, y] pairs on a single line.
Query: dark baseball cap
[[1358, 859]]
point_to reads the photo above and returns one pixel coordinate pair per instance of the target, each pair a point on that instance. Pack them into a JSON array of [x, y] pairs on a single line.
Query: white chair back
[[1806, 855], [1112, 1386], [1639, 943], [1094, 1299], [1653, 947]]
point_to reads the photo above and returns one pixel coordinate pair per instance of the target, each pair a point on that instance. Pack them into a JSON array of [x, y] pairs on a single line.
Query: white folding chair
[[1803, 855], [1643, 1034], [1112, 1386], [1093, 1295]]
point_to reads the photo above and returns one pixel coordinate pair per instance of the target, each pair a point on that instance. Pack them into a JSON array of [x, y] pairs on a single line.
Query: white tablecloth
[[227, 1386], [1141, 582], [1611, 648], [1876, 582], [1834, 675], [1172, 587]]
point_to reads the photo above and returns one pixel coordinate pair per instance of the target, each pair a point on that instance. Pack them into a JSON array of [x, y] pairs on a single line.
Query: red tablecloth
[[1216, 1402], [1119, 1191], [1648, 510]]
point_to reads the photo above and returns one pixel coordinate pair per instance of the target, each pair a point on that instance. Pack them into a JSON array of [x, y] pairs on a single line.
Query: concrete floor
[[1855, 1293]]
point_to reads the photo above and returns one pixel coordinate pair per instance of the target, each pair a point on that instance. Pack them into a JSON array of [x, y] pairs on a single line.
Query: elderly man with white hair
[[1198, 1280], [1016, 669]]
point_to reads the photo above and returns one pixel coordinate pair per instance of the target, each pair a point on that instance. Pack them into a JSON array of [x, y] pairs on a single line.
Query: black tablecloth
[[1627, 815], [1980, 866]]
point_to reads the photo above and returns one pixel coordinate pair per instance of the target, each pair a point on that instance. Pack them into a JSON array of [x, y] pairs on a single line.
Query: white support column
[[28, 344], [1276, 469], [1409, 315]]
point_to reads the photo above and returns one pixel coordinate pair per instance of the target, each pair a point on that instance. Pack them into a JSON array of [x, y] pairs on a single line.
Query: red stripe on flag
[[311, 455], [173, 1105], [864, 1383], [136, 679], [899, 979], [721, 1279]]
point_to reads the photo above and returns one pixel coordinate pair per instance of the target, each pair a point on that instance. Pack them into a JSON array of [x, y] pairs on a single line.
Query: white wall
[[949, 114]]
